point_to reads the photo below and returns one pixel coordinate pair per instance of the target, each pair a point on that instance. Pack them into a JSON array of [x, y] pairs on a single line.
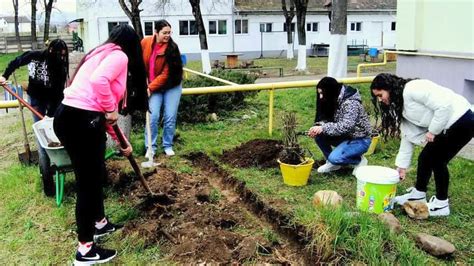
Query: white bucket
[[376, 187]]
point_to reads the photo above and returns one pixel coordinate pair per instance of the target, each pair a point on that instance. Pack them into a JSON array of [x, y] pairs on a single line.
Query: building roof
[[314, 5], [21, 19]]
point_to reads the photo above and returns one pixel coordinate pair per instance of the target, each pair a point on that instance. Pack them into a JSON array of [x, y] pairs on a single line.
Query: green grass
[[21, 73], [213, 138], [315, 65], [34, 231]]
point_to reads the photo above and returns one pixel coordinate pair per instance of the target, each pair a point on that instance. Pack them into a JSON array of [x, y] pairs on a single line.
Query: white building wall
[[97, 16], [22, 27]]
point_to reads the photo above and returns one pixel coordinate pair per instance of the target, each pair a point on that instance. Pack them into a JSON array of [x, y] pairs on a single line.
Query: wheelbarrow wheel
[[47, 177]]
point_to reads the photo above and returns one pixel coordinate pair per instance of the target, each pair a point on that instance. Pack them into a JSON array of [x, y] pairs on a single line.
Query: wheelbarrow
[[60, 162]]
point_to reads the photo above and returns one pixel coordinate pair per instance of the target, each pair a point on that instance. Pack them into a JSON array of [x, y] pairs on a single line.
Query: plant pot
[[373, 144], [296, 175]]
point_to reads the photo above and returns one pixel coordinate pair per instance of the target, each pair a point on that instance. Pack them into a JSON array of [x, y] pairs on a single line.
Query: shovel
[[28, 157], [149, 152], [153, 196]]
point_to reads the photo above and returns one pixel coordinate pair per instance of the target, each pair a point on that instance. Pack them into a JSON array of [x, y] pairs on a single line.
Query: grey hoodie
[[350, 118]]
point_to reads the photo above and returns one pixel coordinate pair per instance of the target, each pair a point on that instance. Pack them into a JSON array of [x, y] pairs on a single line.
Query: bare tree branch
[[133, 13]]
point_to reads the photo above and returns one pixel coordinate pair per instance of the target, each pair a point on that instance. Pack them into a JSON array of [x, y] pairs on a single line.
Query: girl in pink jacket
[[89, 109]]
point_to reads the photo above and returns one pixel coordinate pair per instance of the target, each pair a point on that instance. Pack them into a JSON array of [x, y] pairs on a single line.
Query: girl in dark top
[[342, 122], [48, 73]]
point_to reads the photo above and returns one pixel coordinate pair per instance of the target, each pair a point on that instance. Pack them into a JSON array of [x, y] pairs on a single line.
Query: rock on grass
[[434, 245]]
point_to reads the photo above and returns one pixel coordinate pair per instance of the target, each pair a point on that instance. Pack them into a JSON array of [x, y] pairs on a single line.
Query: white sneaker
[[363, 162], [328, 167], [438, 207], [412, 195], [169, 151]]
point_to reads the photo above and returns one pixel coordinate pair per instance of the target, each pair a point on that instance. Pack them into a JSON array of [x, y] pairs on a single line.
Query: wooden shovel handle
[[133, 162], [27, 105]]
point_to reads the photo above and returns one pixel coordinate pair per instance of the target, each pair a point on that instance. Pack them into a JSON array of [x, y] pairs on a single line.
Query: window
[[187, 27], [241, 26], [217, 27], [112, 24], [394, 24], [292, 26], [148, 28], [312, 26], [265, 27], [356, 26]]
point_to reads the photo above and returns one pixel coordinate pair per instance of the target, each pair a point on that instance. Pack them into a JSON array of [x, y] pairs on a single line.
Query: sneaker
[[363, 162], [107, 229], [328, 167], [169, 151], [95, 255], [438, 207], [412, 195]]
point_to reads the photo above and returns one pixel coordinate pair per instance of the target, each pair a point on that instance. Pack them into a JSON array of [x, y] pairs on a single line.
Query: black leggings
[[435, 156], [82, 133]]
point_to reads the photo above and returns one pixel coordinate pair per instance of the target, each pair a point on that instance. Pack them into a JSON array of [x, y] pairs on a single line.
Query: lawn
[[315, 65], [34, 231]]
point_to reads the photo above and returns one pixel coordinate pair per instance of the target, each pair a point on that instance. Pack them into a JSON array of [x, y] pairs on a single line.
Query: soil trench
[[202, 220]]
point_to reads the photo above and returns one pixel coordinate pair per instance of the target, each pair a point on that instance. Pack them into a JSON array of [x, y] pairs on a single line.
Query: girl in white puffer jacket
[[423, 112]]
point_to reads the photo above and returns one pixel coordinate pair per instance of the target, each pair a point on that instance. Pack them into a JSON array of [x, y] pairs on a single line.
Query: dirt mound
[[197, 222], [255, 153]]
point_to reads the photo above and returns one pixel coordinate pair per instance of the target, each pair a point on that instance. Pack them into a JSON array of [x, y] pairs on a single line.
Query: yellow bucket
[[373, 144], [296, 175]]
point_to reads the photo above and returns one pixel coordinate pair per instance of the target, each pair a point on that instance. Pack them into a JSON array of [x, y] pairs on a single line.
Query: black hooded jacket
[[41, 84]]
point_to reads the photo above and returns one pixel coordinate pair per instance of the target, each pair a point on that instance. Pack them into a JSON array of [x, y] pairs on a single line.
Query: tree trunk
[[337, 59], [17, 23], [133, 13], [34, 39], [206, 62], [48, 4], [301, 7], [288, 20]]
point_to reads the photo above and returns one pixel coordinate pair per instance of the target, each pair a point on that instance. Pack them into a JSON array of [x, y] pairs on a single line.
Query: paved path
[[467, 152]]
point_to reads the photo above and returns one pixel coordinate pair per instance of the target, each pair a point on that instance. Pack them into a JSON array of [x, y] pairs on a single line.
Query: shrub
[[195, 108]]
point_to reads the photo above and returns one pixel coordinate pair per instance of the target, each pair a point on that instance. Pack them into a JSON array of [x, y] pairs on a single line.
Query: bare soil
[[255, 153], [202, 219]]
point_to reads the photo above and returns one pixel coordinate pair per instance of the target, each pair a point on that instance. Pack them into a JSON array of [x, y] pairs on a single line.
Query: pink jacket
[[100, 83]]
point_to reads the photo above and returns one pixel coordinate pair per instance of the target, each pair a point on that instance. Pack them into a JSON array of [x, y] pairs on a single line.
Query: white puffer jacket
[[427, 107]]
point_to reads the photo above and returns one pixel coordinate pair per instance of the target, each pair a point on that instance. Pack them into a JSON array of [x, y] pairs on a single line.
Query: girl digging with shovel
[[89, 109]]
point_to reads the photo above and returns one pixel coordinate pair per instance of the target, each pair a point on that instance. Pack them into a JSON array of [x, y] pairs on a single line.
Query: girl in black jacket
[[48, 73]]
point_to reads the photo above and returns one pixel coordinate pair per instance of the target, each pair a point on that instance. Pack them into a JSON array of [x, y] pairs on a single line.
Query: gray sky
[[65, 9]]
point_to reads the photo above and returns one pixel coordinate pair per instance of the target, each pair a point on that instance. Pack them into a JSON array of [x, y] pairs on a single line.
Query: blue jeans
[[347, 151], [169, 101]]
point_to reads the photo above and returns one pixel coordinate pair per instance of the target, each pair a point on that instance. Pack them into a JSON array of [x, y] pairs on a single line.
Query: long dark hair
[[172, 56], [391, 114], [127, 39], [58, 64], [326, 107]]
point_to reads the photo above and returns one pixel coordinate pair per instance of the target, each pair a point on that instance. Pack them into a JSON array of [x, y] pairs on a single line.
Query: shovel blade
[[28, 158]]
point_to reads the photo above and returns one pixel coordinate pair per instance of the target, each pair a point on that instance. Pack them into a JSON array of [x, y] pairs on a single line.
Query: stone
[[416, 210], [125, 124], [327, 197], [212, 117], [391, 221], [434, 245]]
